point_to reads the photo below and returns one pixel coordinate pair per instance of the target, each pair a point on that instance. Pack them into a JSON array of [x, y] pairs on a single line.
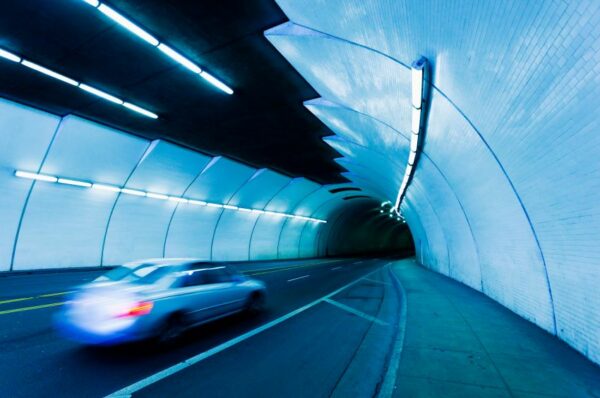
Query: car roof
[[165, 261]]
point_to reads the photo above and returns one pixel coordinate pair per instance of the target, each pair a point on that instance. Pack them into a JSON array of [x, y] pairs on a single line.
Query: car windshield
[[144, 274]]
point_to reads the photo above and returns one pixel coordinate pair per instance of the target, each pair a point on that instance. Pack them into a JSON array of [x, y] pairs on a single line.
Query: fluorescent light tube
[[411, 157], [216, 82], [157, 196], [197, 202], [177, 199], [100, 94], [417, 88], [179, 58], [258, 211], [103, 187], [48, 72], [416, 121], [127, 24], [133, 192], [93, 3], [77, 183], [138, 109], [230, 207], [35, 176], [414, 143], [9, 56], [244, 210], [214, 205]]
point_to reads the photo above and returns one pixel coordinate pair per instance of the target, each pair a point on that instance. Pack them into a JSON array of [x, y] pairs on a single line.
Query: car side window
[[192, 278], [205, 276], [216, 275]]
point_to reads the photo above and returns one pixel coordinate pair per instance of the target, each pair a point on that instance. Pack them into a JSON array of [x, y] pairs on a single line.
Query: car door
[[204, 291], [225, 288]]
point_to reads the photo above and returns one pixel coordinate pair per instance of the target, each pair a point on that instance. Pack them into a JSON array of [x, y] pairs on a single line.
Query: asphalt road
[[301, 356]]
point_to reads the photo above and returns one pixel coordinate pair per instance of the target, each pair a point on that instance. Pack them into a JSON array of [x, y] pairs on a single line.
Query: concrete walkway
[[460, 343]]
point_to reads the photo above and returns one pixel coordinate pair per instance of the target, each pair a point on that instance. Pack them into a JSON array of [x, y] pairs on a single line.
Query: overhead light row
[[92, 90], [417, 69], [392, 211], [153, 195], [153, 41]]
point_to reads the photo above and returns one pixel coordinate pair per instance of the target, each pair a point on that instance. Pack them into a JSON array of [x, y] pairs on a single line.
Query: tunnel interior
[[415, 183]]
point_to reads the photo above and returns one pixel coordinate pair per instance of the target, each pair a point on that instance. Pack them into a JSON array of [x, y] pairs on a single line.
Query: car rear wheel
[[172, 329], [256, 303]]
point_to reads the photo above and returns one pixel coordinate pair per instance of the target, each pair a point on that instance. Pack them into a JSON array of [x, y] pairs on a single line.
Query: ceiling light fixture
[[65, 79], [128, 191], [417, 94], [153, 41]]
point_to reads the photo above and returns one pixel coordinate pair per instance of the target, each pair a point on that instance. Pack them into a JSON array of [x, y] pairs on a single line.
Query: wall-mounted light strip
[[41, 69], [417, 97], [153, 41], [134, 192]]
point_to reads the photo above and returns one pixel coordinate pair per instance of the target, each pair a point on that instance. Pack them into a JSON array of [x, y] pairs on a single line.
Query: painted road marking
[[300, 277], [129, 390], [333, 269], [389, 381], [271, 270], [35, 307], [381, 282], [33, 297], [257, 272], [15, 300], [356, 312]]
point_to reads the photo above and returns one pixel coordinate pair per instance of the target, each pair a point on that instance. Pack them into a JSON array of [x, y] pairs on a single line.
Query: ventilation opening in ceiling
[[355, 197], [336, 190]]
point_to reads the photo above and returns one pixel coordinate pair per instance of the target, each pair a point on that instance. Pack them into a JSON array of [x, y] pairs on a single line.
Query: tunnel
[[299, 198]]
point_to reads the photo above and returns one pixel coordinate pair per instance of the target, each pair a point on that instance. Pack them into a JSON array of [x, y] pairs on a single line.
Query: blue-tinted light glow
[[103, 187], [216, 82], [133, 192], [9, 56], [127, 24], [152, 195], [100, 94], [35, 176], [179, 58], [68, 181], [65, 79], [177, 199], [157, 196], [48, 72], [138, 109], [170, 52]]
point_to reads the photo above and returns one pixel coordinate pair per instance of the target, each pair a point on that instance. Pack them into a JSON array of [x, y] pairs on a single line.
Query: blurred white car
[[156, 298]]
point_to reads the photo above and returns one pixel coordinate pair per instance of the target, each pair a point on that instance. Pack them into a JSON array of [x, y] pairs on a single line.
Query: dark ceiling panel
[[263, 123]]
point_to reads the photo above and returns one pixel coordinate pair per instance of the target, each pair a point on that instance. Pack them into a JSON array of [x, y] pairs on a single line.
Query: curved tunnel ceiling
[[263, 123], [503, 198]]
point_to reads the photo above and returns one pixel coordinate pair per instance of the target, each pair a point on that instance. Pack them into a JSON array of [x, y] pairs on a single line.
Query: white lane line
[[333, 269], [300, 277], [381, 282], [129, 390], [389, 381], [356, 312]]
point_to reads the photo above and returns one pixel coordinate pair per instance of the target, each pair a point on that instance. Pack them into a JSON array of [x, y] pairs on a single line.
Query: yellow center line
[[257, 272], [35, 307], [15, 300], [54, 294]]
